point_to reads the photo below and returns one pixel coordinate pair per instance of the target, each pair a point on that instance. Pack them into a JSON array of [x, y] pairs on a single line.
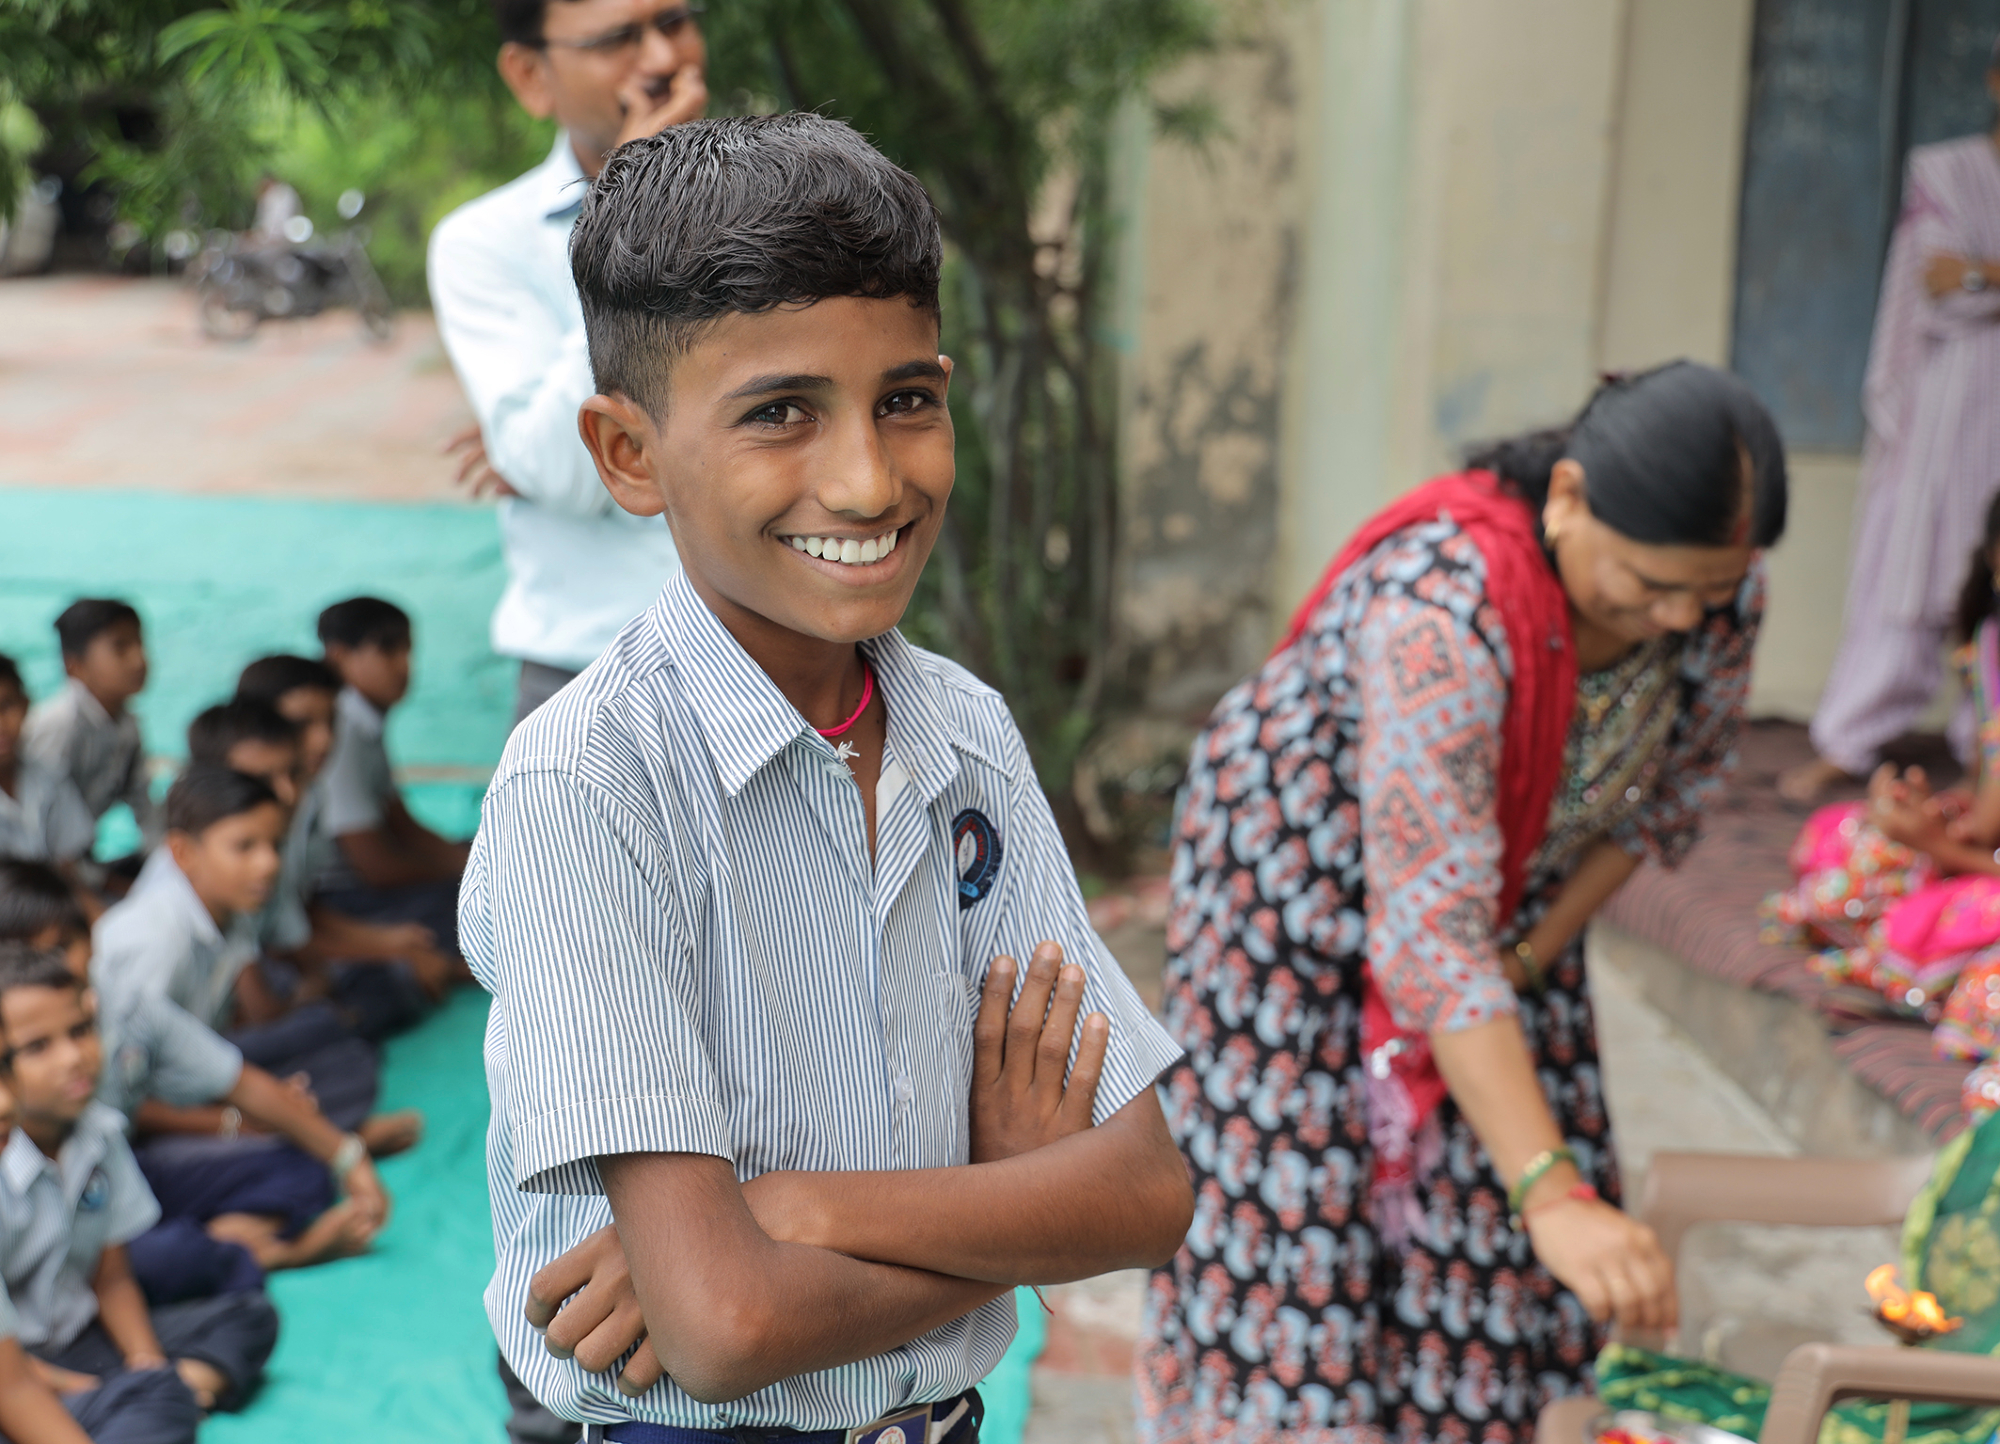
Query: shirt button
[[1632, 794], [904, 1089]]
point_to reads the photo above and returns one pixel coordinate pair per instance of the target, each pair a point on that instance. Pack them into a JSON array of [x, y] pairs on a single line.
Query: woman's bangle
[[1578, 1192], [1530, 964], [232, 1121], [1537, 1169]]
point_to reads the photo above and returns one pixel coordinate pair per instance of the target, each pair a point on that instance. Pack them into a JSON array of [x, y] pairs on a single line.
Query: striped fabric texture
[[672, 902]]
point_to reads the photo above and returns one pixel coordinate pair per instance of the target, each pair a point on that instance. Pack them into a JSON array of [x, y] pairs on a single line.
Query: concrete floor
[[1748, 1294]]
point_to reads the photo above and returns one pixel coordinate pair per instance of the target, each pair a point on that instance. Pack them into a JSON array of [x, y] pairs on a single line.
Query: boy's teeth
[[846, 549]]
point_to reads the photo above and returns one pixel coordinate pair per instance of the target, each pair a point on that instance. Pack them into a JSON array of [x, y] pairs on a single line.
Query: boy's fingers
[[609, 1342], [1052, 1049], [1024, 1024], [641, 1371], [586, 1311], [1080, 1097], [548, 1288], [989, 1029]]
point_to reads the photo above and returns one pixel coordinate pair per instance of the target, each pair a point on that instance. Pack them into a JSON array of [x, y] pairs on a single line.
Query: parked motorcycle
[[241, 283]]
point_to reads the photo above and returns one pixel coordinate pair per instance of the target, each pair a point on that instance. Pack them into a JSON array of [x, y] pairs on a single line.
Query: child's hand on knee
[[1020, 1053]]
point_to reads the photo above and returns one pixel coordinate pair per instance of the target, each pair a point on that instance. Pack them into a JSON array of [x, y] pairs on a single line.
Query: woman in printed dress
[[1511, 687]]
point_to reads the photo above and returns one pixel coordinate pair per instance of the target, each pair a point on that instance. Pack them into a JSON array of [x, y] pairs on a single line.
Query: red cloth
[[1524, 589]]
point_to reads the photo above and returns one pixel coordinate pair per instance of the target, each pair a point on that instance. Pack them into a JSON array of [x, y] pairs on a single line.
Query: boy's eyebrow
[[804, 381], [911, 370]]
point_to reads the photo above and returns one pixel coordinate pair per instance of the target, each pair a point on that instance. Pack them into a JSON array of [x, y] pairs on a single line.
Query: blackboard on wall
[[1840, 89]]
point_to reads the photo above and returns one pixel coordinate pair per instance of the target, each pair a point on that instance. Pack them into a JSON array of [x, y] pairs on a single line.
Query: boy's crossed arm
[[729, 1288]]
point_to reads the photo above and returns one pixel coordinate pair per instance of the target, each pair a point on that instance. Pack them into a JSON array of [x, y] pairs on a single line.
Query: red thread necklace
[[867, 696]]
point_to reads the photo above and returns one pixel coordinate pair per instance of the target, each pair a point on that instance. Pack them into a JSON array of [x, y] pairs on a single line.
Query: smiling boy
[[736, 889]]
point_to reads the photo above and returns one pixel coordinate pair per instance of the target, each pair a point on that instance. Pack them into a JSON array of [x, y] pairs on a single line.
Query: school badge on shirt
[[976, 844], [95, 1192]]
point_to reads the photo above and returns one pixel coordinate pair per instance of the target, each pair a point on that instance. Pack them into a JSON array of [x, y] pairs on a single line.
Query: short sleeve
[[1041, 902], [1700, 755], [131, 1207], [192, 1063], [10, 1320], [69, 828], [584, 955], [1433, 704], [352, 787]]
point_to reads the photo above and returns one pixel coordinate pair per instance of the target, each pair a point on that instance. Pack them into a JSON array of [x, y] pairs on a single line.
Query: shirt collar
[[561, 180], [87, 703], [358, 712], [747, 721], [172, 883], [21, 1163]]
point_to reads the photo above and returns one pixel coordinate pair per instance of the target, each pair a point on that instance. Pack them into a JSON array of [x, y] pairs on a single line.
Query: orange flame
[[1917, 1312]]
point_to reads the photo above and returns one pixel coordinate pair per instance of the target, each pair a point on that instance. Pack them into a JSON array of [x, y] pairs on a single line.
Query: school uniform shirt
[[672, 901], [71, 734], [154, 1048], [284, 924], [355, 786], [161, 941], [44, 819], [57, 1216], [578, 568]]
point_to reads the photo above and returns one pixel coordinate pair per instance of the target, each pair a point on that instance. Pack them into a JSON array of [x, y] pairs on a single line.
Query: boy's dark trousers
[[151, 1407], [234, 1333], [314, 1040], [434, 904]]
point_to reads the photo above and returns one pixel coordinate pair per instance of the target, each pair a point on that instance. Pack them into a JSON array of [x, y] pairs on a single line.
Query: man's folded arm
[[1111, 1197], [729, 1310]]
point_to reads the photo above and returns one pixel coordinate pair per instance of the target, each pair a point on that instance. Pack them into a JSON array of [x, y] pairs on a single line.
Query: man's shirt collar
[[561, 180]]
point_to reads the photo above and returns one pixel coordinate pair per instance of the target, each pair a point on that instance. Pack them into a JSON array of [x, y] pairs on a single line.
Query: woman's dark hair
[[204, 795], [269, 678], [1663, 454], [741, 214], [33, 899], [247, 719], [1975, 598]]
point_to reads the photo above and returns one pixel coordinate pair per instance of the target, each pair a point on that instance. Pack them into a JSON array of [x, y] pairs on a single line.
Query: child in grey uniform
[[71, 1198], [85, 732], [41, 815]]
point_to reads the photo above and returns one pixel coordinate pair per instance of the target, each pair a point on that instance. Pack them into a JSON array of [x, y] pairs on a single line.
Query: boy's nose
[[861, 482]]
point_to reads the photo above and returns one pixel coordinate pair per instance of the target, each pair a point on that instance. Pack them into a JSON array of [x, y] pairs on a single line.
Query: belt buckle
[[912, 1426]]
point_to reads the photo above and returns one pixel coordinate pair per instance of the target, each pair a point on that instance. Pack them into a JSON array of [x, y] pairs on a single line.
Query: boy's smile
[[803, 458]]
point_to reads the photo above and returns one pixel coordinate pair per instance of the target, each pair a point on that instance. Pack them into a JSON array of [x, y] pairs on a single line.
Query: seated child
[[149, 1406], [85, 731], [71, 1198], [211, 1124], [41, 815], [382, 979], [737, 888], [387, 867]]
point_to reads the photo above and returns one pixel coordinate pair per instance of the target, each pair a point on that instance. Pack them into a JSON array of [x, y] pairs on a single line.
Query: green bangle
[[1531, 965], [1537, 1169]]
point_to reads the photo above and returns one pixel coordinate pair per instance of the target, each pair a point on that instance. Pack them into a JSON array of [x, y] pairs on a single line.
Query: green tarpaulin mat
[[392, 1348]]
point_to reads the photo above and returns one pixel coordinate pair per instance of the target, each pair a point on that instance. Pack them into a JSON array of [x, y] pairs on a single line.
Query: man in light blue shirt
[[747, 894], [578, 568]]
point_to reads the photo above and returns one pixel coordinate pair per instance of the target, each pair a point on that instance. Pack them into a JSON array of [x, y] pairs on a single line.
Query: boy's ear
[[621, 436], [181, 846]]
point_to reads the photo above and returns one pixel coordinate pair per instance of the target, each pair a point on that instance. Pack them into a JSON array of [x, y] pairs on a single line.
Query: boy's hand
[[62, 1381], [1019, 1100], [601, 1322]]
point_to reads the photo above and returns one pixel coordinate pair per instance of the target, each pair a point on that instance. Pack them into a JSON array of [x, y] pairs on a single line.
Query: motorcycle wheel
[[222, 321]]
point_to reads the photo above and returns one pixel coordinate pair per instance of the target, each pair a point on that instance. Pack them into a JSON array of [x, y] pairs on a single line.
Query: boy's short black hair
[[246, 719], [24, 966], [206, 794], [364, 622], [33, 899], [10, 675], [740, 214], [83, 621], [269, 678]]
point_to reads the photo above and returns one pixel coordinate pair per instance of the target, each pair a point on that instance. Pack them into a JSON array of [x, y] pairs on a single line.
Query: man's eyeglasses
[[670, 23]]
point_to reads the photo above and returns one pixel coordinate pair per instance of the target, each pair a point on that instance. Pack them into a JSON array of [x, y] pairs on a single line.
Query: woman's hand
[[1608, 1259]]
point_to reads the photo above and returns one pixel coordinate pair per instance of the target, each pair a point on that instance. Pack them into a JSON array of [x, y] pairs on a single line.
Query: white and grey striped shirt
[[672, 902]]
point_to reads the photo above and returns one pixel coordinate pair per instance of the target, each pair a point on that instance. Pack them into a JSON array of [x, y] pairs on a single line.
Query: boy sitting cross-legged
[[86, 732], [71, 1197], [386, 865], [736, 889]]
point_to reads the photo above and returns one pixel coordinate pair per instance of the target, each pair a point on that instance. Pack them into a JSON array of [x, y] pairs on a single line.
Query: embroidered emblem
[[95, 1192], [890, 1435], [976, 843]]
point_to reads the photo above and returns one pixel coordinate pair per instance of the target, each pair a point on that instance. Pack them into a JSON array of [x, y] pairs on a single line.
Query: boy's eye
[[778, 413], [904, 402]]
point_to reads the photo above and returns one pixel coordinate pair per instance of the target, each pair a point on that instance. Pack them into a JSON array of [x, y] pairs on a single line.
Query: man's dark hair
[[364, 622], [247, 719], [740, 214], [520, 20], [86, 619], [206, 794], [10, 675], [33, 899], [269, 678]]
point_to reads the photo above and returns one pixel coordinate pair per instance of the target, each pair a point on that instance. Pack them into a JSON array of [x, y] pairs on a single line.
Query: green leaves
[[253, 44]]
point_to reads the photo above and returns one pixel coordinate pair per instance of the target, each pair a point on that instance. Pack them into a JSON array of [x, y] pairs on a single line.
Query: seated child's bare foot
[[388, 1134], [1807, 781], [340, 1232], [204, 1381]]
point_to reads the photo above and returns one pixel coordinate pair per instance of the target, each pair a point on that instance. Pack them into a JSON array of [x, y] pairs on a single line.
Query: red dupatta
[[1404, 1086]]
